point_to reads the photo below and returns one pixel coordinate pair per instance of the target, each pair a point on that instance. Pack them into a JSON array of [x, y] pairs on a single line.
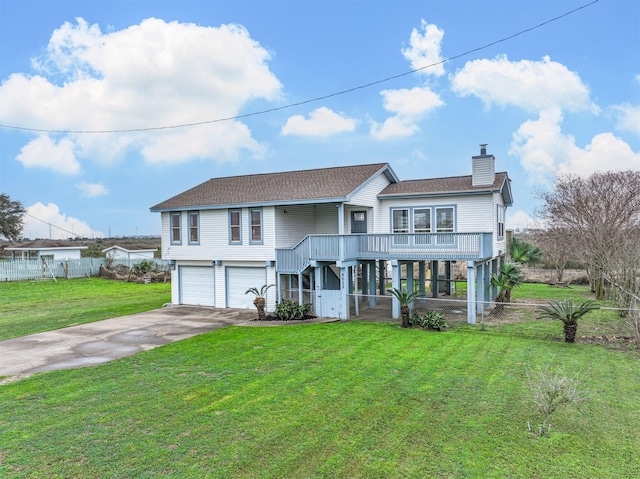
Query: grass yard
[[341, 400], [28, 307]]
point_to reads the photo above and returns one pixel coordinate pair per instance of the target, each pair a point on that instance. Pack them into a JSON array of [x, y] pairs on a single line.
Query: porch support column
[[410, 284], [318, 282], [355, 296], [300, 296], [494, 270], [279, 287], [421, 278], [365, 278], [434, 278], [447, 277], [482, 268], [290, 286], [487, 284], [372, 284], [382, 267], [345, 281], [471, 292], [341, 219], [395, 283]]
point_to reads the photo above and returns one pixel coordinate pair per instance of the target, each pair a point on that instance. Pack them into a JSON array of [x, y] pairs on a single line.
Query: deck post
[[447, 277], [494, 271], [381, 275], [318, 282], [482, 268], [487, 284], [300, 296], [372, 284], [345, 281], [395, 283], [471, 292], [434, 278], [421, 278], [355, 296]]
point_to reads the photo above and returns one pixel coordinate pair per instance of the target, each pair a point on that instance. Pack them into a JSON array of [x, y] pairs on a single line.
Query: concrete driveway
[[102, 341]]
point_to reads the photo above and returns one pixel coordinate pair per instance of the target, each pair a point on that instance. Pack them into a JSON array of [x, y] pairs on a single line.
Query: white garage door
[[241, 279], [197, 285]]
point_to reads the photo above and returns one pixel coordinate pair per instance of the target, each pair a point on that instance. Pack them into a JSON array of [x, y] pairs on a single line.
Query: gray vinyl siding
[[473, 213], [293, 223], [214, 238], [326, 219], [498, 244]]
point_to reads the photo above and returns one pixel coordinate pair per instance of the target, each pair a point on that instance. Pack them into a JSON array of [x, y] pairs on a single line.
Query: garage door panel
[[241, 279], [197, 285]]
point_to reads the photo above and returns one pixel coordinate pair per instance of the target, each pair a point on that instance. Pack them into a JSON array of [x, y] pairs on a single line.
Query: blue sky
[[561, 98]]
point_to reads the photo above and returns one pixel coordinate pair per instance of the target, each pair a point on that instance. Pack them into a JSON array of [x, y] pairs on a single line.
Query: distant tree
[[558, 248], [602, 214], [11, 218]]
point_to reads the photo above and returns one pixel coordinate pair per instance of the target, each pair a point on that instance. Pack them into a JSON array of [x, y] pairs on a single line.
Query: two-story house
[[320, 226]]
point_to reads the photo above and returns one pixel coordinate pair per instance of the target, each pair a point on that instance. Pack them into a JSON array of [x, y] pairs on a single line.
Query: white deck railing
[[416, 247]]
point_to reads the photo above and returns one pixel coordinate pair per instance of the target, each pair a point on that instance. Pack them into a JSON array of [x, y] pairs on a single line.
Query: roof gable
[[303, 186], [454, 185]]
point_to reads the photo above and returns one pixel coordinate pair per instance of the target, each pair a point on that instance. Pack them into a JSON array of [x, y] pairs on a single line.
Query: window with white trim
[[255, 224], [176, 234], [194, 227], [235, 226], [445, 224], [500, 215], [422, 224]]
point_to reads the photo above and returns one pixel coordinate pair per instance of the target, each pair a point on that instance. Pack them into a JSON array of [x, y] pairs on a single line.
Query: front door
[[358, 222]]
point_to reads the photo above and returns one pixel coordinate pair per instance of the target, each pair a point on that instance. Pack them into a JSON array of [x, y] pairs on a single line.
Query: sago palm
[[569, 313], [259, 302], [405, 298]]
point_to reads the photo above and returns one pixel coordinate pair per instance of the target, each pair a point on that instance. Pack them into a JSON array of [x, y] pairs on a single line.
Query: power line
[[311, 100], [51, 225]]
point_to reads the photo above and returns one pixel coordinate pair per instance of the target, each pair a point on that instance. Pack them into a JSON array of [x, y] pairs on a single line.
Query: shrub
[[143, 267], [289, 310], [550, 390], [432, 320]]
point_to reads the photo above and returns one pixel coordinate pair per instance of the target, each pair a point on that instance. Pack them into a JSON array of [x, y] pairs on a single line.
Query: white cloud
[[44, 152], [519, 220], [46, 221], [409, 106], [425, 49], [153, 74], [321, 122], [91, 190], [531, 85], [628, 117], [544, 149]]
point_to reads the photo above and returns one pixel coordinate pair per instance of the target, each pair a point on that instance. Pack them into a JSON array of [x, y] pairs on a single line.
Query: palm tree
[[569, 313], [405, 298], [523, 252], [510, 276], [259, 302]]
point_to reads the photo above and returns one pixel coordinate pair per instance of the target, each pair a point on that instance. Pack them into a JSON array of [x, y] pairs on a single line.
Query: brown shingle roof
[[453, 184], [304, 186]]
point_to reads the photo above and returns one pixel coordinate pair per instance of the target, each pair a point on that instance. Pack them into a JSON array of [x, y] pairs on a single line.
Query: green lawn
[[28, 307], [339, 400]]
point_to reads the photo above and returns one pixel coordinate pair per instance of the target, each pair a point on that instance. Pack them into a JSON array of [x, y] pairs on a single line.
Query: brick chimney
[[483, 171]]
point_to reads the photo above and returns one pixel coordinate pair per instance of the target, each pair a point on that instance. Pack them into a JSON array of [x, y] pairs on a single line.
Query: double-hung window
[[421, 225], [235, 226], [176, 234], [501, 210], [400, 225], [255, 225], [194, 227], [444, 224]]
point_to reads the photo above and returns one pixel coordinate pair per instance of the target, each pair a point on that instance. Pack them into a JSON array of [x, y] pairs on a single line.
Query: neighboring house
[[129, 253], [47, 250], [329, 227]]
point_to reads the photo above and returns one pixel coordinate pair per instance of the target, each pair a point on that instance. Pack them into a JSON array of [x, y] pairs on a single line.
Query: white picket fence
[[35, 269]]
